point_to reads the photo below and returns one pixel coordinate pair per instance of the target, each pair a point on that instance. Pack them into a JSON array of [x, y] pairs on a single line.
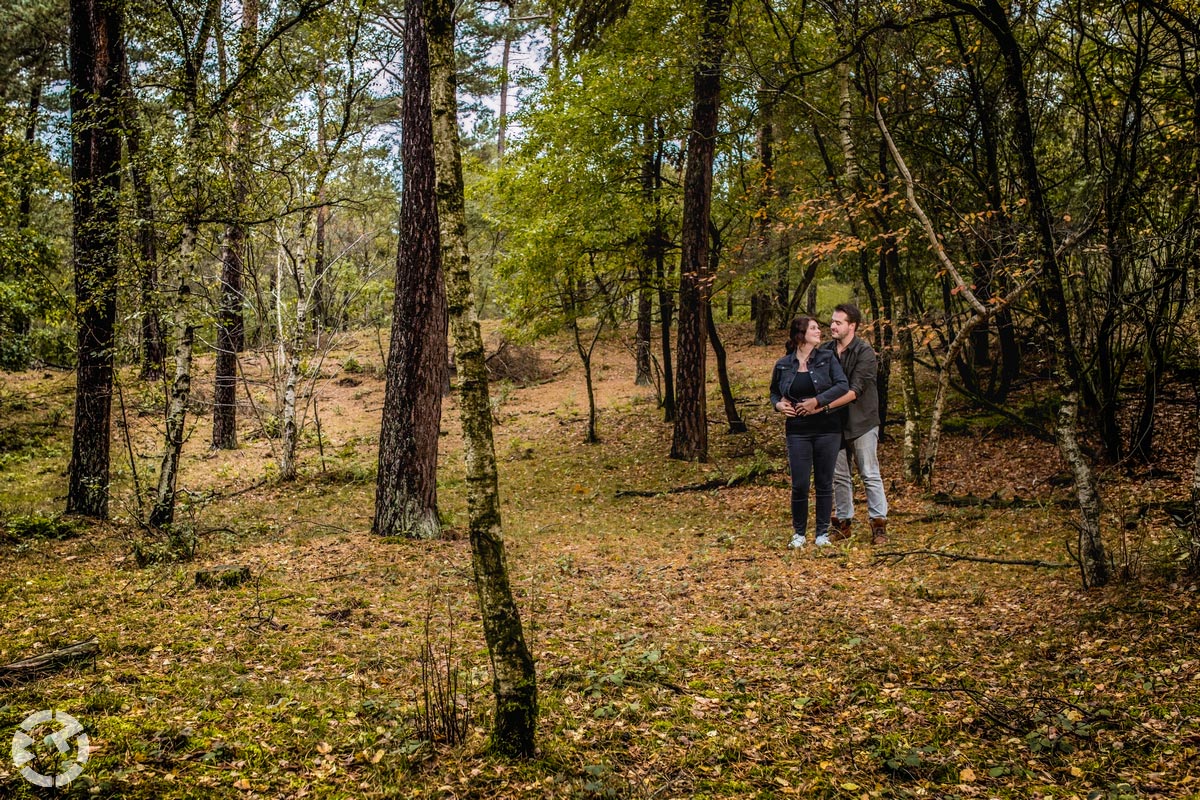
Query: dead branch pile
[[516, 363]]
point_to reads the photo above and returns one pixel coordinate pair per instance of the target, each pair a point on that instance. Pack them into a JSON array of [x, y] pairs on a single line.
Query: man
[[860, 430]]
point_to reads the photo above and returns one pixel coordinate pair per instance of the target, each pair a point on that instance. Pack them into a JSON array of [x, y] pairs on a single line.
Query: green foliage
[[23, 527], [31, 283]]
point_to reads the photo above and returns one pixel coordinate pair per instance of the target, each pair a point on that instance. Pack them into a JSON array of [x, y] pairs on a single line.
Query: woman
[[813, 438]]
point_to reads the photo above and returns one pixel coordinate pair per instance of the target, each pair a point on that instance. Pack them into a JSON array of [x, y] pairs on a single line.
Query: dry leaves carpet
[[682, 650]]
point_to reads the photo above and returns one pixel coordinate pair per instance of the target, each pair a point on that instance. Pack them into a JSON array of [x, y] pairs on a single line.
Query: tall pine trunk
[[645, 309], [514, 680], [230, 319], [689, 440], [97, 58], [154, 348], [406, 487]]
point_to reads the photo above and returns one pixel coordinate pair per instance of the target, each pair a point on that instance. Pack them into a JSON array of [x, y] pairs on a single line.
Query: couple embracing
[[827, 394]]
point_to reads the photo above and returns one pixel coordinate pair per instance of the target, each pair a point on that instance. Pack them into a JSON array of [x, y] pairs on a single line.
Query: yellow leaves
[[1075, 771], [324, 748], [242, 784], [966, 775]]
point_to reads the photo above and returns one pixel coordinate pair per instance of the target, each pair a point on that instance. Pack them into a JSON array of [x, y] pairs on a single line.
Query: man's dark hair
[[853, 315]]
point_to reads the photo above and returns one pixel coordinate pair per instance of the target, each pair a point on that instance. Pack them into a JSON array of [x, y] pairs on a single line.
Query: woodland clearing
[[682, 650]]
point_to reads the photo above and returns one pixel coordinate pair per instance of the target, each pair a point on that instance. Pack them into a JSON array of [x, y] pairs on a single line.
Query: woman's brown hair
[[797, 330]]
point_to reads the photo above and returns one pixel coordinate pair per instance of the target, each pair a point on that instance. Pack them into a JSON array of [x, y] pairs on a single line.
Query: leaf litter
[[682, 650]]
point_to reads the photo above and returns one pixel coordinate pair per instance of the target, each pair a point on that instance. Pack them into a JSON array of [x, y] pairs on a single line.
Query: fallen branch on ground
[[715, 483], [49, 662], [1014, 562]]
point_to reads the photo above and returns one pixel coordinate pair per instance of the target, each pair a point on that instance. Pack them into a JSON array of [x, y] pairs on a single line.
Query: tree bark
[[905, 355], [163, 512], [406, 488], [666, 313], [736, 423], [585, 356], [514, 680], [230, 319], [97, 59], [644, 375], [230, 326], [293, 346], [154, 347], [761, 301], [690, 435]]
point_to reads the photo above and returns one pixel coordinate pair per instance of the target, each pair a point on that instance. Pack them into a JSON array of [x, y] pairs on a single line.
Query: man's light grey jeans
[[867, 460]]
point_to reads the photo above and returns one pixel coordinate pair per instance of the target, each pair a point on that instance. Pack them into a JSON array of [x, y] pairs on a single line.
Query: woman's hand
[[808, 407], [786, 408]]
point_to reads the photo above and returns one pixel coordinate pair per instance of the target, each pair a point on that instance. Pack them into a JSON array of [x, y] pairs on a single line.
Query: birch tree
[[514, 679]]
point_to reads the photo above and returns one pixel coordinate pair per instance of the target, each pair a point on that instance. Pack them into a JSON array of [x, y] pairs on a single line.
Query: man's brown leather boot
[[839, 529], [879, 530]]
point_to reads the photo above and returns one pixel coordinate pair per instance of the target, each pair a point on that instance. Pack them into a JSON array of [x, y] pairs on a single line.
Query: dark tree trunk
[[657, 245], [736, 423], [514, 680], [97, 58], [645, 372], [690, 436], [760, 302], [322, 293], [154, 346], [645, 312], [406, 487], [666, 313], [231, 324]]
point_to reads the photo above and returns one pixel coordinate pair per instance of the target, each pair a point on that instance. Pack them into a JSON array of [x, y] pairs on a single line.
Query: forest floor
[[682, 649]]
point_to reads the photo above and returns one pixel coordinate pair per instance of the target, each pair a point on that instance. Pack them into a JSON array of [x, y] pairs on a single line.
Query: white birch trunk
[[163, 512], [289, 429]]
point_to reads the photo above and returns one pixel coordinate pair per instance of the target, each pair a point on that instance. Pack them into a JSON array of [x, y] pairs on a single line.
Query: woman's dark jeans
[[812, 454]]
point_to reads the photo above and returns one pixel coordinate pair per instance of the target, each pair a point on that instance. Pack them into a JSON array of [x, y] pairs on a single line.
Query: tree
[[97, 56], [406, 487], [690, 434], [230, 322], [514, 679]]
